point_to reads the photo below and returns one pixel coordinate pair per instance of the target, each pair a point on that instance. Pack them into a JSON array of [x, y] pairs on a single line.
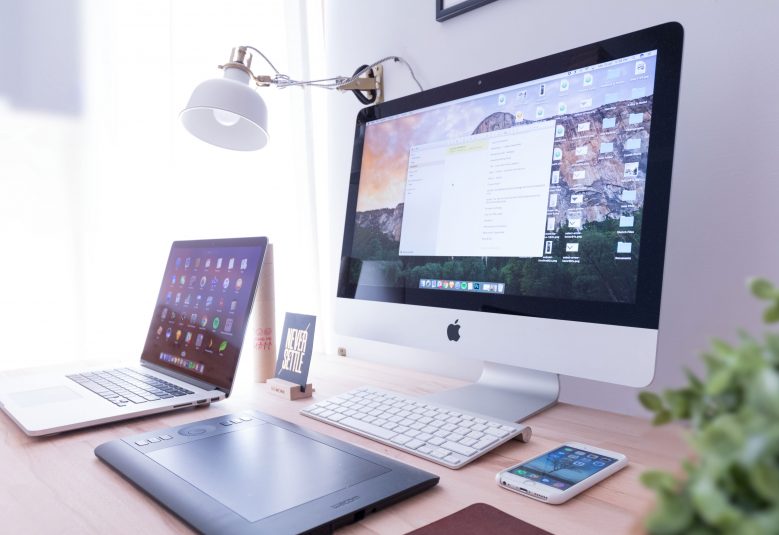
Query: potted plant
[[731, 485]]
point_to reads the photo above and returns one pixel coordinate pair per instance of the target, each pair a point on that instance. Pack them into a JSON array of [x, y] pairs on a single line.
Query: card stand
[[288, 390]]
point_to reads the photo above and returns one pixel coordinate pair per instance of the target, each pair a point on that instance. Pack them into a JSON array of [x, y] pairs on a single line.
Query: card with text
[[295, 349]]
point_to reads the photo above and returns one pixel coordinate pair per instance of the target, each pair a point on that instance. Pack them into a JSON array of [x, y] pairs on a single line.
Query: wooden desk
[[57, 485]]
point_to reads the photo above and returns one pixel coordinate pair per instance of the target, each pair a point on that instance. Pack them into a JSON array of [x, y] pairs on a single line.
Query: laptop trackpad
[[42, 396], [264, 470]]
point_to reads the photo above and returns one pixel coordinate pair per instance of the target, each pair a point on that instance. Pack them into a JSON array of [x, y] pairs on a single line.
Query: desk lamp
[[228, 113]]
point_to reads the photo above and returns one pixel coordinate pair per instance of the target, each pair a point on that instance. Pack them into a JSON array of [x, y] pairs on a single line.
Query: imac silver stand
[[506, 392]]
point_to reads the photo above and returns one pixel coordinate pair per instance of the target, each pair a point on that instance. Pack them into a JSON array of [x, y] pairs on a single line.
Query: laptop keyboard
[[123, 386]]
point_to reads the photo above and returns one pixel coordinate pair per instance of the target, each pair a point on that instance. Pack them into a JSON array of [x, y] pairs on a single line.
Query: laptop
[[189, 358]]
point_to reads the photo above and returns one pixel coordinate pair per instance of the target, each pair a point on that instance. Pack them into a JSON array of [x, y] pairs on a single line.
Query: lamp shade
[[228, 113]]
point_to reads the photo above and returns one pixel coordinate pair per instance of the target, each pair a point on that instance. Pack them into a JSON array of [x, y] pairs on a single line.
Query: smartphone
[[562, 473]]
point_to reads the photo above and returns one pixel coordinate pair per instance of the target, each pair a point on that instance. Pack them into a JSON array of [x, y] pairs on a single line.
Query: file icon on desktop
[[633, 144], [629, 195]]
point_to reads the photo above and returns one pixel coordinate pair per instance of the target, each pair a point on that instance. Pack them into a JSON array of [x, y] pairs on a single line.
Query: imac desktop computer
[[519, 218]]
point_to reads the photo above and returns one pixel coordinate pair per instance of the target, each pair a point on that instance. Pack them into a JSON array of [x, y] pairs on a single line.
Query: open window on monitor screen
[[519, 218]]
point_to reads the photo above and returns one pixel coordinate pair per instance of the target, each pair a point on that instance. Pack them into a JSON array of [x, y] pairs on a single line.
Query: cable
[[249, 47], [282, 80]]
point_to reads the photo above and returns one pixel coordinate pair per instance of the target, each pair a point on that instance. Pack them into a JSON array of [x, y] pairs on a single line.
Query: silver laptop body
[[189, 358]]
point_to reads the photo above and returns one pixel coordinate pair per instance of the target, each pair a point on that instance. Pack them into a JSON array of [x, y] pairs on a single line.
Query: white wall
[[91, 200], [725, 182]]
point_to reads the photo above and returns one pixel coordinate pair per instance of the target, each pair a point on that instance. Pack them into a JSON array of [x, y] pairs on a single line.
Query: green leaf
[[651, 401], [695, 382], [713, 505], [719, 381], [659, 481], [762, 289], [721, 347], [679, 403], [771, 314], [673, 515], [721, 437], [662, 417]]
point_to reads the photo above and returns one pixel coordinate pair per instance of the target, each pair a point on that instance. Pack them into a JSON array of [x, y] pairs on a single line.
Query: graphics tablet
[[253, 473]]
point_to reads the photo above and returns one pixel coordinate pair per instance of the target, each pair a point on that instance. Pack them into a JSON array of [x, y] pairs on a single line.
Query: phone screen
[[563, 467]]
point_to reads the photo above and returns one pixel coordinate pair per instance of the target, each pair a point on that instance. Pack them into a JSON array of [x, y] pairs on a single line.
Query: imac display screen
[[540, 189]]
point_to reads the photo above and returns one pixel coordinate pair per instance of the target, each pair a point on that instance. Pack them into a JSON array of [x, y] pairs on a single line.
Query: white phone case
[[545, 493]]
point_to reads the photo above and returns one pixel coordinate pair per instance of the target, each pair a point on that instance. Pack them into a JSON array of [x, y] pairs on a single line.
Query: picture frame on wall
[[446, 9]]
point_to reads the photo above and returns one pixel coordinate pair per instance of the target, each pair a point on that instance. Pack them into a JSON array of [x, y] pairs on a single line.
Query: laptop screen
[[203, 307]]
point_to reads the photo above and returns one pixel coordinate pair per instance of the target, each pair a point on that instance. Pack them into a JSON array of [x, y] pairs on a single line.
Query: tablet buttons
[[155, 440], [237, 420], [195, 430]]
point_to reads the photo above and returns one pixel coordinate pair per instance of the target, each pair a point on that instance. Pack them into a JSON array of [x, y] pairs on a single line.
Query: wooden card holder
[[288, 390]]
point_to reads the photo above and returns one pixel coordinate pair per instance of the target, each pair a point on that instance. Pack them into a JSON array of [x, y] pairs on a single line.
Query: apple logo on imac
[[453, 331]]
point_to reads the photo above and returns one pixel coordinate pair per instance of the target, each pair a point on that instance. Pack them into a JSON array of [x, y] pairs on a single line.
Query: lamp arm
[[366, 83], [335, 82]]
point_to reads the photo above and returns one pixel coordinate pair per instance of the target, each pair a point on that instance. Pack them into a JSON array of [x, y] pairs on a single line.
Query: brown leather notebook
[[479, 519]]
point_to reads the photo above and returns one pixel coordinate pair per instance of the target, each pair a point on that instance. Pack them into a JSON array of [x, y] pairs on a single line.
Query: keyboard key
[[458, 448], [485, 442], [381, 432], [440, 453], [496, 432], [400, 439], [453, 459], [414, 444]]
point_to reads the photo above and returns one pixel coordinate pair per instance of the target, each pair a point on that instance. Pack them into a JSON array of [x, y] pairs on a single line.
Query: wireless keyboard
[[443, 435]]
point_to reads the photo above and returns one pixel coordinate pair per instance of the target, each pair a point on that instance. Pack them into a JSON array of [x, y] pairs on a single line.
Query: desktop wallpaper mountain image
[[592, 274]]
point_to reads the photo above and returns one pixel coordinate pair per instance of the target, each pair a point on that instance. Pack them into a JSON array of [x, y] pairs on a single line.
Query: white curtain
[[92, 199]]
